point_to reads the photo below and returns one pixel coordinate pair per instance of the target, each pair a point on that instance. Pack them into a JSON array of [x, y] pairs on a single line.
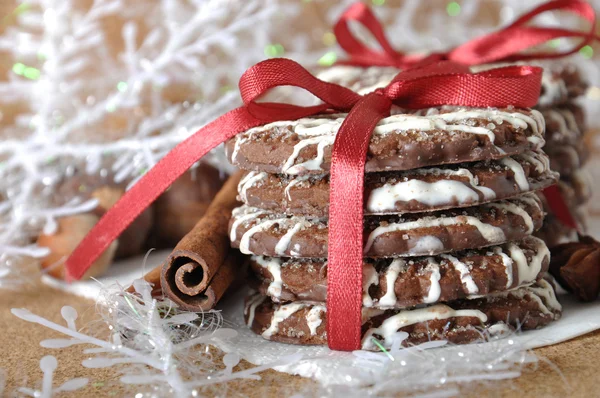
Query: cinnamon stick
[[202, 266]]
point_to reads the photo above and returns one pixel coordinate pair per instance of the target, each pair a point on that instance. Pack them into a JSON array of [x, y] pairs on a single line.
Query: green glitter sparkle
[[453, 8], [27, 72], [131, 306], [122, 86], [328, 59], [587, 52], [274, 50], [554, 43], [382, 348]]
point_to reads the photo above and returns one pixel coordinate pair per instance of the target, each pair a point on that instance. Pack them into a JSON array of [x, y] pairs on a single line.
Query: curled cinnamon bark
[[202, 266]]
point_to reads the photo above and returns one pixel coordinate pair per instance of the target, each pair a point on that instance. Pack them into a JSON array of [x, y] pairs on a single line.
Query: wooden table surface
[[564, 370]]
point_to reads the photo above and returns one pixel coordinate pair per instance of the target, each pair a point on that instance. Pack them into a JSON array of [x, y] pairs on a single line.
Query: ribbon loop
[[508, 44], [360, 54], [278, 72]]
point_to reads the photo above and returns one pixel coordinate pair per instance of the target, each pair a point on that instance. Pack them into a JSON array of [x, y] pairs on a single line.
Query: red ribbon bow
[[443, 83], [505, 45]]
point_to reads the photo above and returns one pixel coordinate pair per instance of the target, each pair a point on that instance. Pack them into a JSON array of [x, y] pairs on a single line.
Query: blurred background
[[92, 90]]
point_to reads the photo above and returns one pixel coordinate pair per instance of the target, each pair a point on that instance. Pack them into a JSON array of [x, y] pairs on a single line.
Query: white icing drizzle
[[435, 290], [489, 232], [322, 131], [409, 317], [294, 182], [544, 289], [359, 79], [537, 159], [393, 270], [249, 213], [514, 208], [273, 265], [312, 164], [528, 270], [238, 220], [567, 125], [518, 171], [281, 314], [314, 318], [536, 292], [499, 330], [427, 244], [236, 148], [251, 305], [433, 194], [369, 277], [260, 227], [465, 274], [286, 239], [570, 120], [554, 89], [507, 261], [250, 180]]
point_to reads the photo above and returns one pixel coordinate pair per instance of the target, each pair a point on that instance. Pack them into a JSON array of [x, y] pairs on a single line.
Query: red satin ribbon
[[505, 45], [443, 83]]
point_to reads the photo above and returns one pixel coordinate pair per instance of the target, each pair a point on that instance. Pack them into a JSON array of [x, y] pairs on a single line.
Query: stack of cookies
[[450, 212], [565, 126], [562, 87]]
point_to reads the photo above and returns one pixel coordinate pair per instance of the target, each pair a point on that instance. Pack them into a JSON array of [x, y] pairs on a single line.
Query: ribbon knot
[[380, 91]]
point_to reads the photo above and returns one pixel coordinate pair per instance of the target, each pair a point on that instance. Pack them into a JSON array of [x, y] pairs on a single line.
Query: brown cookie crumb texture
[[280, 148], [564, 125], [459, 322], [259, 232], [410, 191], [401, 283]]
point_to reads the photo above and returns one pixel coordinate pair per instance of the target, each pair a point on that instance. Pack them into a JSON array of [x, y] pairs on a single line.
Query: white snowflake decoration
[[48, 365], [149, 334]]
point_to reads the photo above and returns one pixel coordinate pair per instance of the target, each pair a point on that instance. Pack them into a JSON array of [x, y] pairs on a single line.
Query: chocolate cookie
[[260, 232], [576, 188], [567, 159], [427, 189], [402, 282], [459, 322], [564, 125], [554, 232], [446, 135], [561, 83]]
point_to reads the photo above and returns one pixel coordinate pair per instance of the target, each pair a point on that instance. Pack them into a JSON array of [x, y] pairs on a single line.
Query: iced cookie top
[[434, 136]]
